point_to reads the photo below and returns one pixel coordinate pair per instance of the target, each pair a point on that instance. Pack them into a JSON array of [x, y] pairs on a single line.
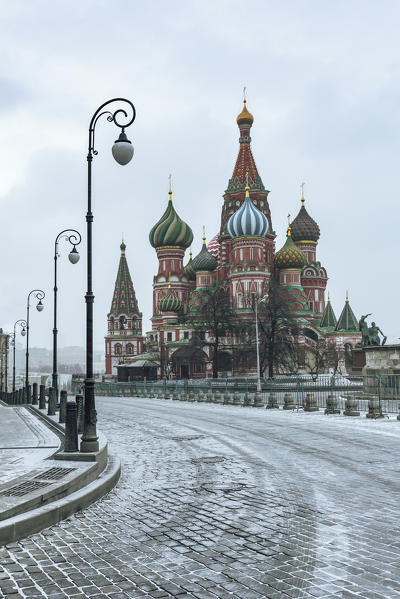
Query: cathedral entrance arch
[[188, 363]]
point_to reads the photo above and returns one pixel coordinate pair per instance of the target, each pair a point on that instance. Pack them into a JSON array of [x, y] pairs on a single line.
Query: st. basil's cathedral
[[241, 255]]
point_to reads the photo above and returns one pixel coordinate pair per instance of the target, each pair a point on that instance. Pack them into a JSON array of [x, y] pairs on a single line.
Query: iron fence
[[385, 389]]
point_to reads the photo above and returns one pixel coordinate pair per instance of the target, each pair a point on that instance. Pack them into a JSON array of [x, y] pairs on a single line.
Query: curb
[[25, 524]]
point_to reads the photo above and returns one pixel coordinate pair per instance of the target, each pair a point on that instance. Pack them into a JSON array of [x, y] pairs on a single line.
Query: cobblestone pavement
[[226, 502]]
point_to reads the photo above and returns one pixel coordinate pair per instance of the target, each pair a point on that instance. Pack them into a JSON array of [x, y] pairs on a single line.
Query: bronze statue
[[370, 335]]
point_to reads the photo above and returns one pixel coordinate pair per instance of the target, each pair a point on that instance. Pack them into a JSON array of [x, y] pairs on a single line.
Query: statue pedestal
[[382, 359]]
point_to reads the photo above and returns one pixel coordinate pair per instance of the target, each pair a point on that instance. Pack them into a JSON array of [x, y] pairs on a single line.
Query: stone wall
[[382, 359]]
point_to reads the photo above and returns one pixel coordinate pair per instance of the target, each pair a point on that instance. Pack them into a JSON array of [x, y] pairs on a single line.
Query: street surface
[[23, 450], [227, 502]]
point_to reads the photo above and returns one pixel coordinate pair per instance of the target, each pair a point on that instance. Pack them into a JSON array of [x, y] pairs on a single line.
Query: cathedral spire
[[245, 166], [328, 319], [124, 298], [347, 320], [245, 161]]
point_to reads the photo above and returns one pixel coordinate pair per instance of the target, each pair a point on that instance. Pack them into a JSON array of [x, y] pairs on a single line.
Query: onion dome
[[245, 117], [247, 220], [189, 270], [170, 302], [304, 228], [204, 259], [289, 256], [170, 229], [214, 246]]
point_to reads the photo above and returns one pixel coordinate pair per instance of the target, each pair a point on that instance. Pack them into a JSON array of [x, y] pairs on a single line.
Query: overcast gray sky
[[323, 83]]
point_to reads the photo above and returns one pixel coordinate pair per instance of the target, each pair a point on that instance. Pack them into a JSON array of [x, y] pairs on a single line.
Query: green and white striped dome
[[170, 229]]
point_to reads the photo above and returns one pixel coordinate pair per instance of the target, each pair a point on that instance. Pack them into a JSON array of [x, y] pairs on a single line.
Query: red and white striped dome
[[213, 246]]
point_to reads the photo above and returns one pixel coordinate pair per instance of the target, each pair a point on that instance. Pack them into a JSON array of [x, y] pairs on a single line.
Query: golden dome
[[245, 117]]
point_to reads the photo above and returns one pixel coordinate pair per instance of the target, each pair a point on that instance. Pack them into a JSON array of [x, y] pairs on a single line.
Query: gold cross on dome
[[170, 177], [244, 94], [288, 220], [302, 190]]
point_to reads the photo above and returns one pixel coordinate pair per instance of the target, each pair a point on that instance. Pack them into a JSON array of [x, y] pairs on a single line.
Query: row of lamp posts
[[122, 151]]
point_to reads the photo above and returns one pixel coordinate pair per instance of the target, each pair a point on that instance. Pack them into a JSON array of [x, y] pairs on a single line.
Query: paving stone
[[276, 518]]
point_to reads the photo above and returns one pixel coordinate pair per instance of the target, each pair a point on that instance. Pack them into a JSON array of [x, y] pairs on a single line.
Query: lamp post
[[23, 326], [39, 294], [122, 151], [258, 301], [74, 237], [2, 356]]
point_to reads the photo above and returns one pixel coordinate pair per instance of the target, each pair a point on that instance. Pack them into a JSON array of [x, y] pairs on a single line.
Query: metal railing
[[385, 389]]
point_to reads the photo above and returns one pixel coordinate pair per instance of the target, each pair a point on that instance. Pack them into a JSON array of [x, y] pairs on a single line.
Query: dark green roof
[[329, 319], [347, 320], [170, 229], [124, 298]]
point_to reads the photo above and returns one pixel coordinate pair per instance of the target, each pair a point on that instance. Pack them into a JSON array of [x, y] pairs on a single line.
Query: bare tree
[[316, 358], [278, 330], [214, 315]]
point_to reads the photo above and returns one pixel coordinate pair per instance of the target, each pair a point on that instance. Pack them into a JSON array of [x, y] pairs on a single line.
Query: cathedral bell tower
[[124, 337], [235, 193], [170, 237]]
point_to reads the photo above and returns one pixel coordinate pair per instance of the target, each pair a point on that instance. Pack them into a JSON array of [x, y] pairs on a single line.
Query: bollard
[[398, 407], [80, 404], [200, 396], [71, 428], [209, 396], [258, 401], [332, 405], [236, 401], [182, 396], [51, 406], [63, 406], [174, 395], [217, 397], [288, 403], [166, 394], [35, 399], [28, 397], [272, 402], [42, 397], [191, 395], [311, 403], [351, 406], [374, 408]]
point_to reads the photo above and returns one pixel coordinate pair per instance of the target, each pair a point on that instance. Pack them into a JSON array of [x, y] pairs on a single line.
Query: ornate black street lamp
[[39, 294], [122, 151], [74, 237], [23, 326]]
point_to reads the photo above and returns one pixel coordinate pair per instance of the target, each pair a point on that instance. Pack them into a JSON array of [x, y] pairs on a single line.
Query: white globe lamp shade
[[39, 306], [23, 332], [74, 256], [122, 149]]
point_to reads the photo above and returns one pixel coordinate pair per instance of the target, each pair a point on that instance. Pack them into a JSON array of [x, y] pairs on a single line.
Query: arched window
[[118, 349], [112, 325], [129, 348]]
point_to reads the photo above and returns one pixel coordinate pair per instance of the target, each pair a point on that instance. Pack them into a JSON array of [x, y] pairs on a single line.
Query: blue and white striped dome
[[247, 221]]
